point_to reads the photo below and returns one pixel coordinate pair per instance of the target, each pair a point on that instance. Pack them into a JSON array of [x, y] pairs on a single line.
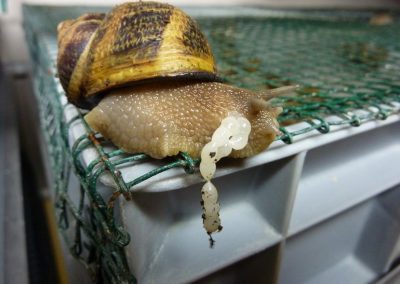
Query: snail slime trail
[[232, 134]]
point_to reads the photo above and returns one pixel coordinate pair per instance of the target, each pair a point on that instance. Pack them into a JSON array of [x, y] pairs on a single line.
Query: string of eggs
[[233, 133]]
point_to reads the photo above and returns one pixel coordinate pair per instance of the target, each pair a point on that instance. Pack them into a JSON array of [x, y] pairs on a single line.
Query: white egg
[[209, 192], [231, 123], [209, 196], [212, 224], [221, 136], [209, 152], [210, 209], [238, 142], [244, 125], [223, 151], [207, 170]]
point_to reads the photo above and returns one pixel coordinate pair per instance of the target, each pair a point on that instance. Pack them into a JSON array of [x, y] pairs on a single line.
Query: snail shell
[[117, 61], [136, 41]]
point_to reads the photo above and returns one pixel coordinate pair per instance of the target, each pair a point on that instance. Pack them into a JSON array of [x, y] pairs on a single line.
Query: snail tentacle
[[281, 91], [258, 104]]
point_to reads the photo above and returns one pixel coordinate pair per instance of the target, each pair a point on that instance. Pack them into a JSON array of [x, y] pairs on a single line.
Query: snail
[[147, 74]]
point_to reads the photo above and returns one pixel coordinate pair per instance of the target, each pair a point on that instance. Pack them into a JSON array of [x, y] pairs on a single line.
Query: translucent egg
[[231, 123], [209, 194], [223, 151], [244, 125], [221, 136], [212, 224], [211, 208], [207, 170], [209, 152], [238, 142]]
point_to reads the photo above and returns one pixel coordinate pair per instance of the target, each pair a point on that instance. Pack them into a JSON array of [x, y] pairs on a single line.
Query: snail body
[[171, 117]]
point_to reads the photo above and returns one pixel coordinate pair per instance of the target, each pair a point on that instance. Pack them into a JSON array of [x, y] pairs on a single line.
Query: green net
[[348, 72], [341, 66]]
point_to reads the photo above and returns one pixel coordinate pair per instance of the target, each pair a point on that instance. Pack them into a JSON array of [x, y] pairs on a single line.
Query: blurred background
[[13, 48]]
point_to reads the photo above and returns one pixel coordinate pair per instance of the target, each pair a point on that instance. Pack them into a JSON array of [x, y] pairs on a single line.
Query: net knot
[[189, 163], [121, 237], [287, 138], [382, 115], [323, 127], [355, 121]]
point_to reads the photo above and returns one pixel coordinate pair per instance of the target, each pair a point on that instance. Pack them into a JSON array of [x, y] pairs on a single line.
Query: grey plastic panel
[[262, 267], [310, 191], [274, 189], [353, 247], [338, 175], [379, 237], [169, 243], [389, 217]]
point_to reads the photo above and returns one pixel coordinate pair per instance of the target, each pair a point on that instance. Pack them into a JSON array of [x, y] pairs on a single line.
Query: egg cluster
[[232, 134]]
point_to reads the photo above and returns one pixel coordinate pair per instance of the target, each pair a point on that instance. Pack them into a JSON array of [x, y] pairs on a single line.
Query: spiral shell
[[136, 41]]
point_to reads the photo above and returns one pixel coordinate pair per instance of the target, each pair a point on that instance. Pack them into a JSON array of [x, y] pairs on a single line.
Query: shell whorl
[[73, 37], [136, 41]]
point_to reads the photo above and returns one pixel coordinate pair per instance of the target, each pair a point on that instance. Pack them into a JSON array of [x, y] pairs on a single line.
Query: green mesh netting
[[340, 65], [348, 72]]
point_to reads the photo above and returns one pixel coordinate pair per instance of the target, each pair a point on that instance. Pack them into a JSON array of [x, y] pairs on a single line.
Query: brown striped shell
[[136, 41]]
